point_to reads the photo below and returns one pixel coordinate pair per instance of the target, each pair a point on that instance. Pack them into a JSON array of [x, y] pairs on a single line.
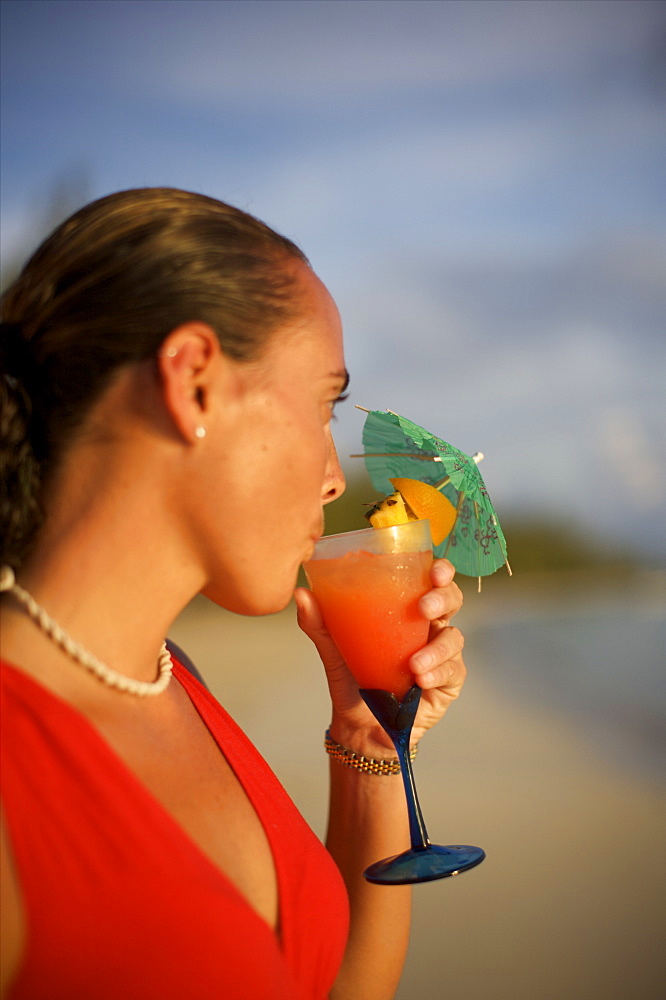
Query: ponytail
[[20, 510]]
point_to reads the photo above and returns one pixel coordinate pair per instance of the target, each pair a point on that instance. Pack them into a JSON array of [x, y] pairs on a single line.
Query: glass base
[[424, 864]]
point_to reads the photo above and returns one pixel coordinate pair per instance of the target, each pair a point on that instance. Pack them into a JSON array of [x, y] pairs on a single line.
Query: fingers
[[307, 610], [442, 572], [310, 618], [445, 599], [440, 663]]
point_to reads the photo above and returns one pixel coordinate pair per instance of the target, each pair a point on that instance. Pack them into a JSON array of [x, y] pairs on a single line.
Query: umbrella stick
[[477, 457], [398, 454]]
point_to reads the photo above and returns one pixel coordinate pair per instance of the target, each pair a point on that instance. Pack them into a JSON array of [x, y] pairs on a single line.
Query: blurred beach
[[480, 185], [550, 761]]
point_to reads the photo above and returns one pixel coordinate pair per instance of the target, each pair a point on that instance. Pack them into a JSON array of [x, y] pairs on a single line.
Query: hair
[[103, 291]]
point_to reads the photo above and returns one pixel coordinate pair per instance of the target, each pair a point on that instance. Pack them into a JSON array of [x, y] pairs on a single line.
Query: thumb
[[310, 621]]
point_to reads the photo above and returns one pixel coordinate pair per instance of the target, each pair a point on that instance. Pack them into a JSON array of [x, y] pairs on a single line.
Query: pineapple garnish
[[390, 511], [414, 501]]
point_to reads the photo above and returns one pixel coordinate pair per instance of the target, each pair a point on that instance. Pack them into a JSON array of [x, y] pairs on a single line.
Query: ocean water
[[598, 658]]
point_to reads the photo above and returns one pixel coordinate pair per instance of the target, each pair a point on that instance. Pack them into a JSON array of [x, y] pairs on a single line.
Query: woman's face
[[273, 465]]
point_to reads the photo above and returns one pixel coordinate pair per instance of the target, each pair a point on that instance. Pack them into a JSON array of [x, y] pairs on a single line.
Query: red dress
[[120, 903]]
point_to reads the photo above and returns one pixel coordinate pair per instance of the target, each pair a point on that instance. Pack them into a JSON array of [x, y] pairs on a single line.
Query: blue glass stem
[[417, 830], [397, 719]]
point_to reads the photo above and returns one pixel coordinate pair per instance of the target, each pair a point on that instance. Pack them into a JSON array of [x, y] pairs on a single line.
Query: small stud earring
[[200, 432]]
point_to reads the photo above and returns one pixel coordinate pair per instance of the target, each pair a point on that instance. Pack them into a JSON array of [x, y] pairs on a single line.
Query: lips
[[309, 551], [314, 538]]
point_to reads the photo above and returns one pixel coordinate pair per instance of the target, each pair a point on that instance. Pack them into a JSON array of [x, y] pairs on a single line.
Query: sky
[[481, 186]]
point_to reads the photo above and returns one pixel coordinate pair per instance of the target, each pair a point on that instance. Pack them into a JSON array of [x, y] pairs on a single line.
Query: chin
[[255, 602]]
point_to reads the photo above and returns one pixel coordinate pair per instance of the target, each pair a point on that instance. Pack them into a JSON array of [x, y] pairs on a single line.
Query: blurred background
[[481, 186]]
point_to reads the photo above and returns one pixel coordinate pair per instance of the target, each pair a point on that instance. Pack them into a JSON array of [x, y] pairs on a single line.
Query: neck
[[109, 565]]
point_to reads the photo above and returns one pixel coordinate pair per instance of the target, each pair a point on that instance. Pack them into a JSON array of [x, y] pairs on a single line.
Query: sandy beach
[[569, 902]]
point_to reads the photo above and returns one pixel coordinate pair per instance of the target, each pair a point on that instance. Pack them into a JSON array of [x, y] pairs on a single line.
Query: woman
[[170, 368]]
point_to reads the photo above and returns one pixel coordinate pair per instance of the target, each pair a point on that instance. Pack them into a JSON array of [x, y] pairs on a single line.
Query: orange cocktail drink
[[368, 584]]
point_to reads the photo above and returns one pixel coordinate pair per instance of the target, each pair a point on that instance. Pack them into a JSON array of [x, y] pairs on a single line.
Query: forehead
[[313, 338]]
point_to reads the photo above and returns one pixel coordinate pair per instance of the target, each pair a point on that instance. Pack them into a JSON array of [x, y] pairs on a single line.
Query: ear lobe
[[184, 364]]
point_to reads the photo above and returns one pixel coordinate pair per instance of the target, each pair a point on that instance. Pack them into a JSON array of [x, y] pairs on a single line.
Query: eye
[[339, 399]]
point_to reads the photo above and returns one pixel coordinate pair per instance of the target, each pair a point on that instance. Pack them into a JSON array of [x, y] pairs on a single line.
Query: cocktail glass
[[368, 584]]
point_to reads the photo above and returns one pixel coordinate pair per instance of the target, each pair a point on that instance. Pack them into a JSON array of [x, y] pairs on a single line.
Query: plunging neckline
[[159, 810]]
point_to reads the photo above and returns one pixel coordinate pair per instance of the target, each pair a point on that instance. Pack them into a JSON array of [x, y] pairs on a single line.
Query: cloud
[[306, 52], [478, 183], [538, 364], [634, 458]]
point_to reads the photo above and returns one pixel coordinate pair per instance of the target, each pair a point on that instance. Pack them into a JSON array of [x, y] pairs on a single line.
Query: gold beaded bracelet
[[389, 765]]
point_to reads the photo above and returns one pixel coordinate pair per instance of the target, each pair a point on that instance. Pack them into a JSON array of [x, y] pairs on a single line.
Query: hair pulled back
[[103, 291]]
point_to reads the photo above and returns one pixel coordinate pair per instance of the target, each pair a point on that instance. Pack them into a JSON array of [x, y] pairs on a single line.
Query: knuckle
[[455, 638], [457, 595]]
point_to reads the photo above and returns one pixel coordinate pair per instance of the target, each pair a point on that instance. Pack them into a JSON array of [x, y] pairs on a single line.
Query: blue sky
[[481, 186]]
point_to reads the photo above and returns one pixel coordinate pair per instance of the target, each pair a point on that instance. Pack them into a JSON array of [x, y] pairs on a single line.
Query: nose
[[334, 478]]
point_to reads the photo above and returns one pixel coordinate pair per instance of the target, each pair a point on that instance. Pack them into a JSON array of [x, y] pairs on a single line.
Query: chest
[[179, 763]]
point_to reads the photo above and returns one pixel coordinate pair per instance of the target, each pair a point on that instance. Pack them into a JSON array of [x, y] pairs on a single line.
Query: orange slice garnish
[[428, 504]]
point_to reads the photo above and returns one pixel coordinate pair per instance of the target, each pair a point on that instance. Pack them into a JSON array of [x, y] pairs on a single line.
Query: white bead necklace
[[113, 678]]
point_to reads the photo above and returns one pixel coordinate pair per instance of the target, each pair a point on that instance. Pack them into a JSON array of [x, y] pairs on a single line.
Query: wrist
[[361, 762], [369, 739]]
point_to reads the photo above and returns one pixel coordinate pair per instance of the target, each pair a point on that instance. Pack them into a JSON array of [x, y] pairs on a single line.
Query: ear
[[186, 362]]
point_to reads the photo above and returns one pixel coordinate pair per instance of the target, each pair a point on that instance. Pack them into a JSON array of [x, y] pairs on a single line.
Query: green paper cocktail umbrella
[[395, 447]]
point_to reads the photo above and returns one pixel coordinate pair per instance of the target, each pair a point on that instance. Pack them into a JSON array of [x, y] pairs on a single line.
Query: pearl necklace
[[113, 678]]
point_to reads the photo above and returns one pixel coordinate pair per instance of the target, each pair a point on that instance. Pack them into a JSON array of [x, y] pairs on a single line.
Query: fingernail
[[443, 573], [422, 661], [430, 605]]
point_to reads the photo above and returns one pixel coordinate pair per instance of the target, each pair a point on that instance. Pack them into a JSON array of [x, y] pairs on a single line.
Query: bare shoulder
[[11, 914]]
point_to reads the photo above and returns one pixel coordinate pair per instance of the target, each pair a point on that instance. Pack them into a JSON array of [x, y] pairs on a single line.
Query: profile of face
[[271, 464]]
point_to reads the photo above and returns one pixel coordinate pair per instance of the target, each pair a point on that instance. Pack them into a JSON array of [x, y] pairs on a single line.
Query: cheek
[[299, 463], [283, 458]]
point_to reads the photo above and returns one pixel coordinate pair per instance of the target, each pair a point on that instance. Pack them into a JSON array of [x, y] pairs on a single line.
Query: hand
[[438, 667]]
